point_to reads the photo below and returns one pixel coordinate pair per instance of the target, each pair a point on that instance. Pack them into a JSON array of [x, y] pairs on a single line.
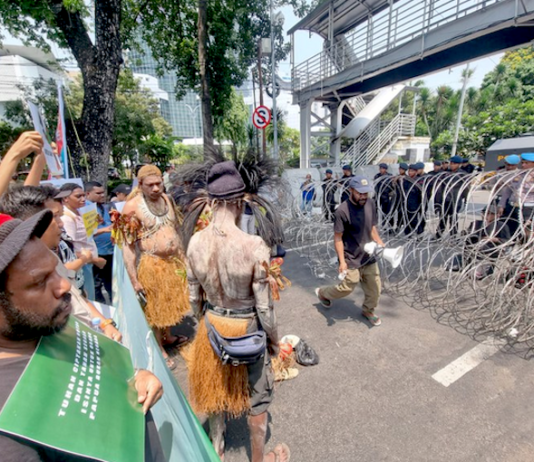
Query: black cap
[[15, 234], [225, 182], [347, 167]]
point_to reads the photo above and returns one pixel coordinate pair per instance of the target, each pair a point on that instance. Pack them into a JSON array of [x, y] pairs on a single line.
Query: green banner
[[77, 395]]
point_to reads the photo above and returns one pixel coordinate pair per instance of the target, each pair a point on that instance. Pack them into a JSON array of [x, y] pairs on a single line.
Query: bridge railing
[[375, 140], [398, 24]]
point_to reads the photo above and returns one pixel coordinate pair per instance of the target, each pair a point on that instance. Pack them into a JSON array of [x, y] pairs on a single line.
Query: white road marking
[[468, 361]]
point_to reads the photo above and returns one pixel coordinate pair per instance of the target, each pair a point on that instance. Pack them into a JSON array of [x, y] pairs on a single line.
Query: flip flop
[[278, 449]]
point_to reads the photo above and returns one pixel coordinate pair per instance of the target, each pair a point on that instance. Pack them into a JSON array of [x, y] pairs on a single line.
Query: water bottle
[[95, 324], [341, 276]]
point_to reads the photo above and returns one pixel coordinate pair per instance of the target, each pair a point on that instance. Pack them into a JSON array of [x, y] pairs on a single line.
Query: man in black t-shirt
[[354, 226]]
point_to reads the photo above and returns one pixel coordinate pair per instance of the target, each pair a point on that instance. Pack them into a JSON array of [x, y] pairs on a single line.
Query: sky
[[307, 47]]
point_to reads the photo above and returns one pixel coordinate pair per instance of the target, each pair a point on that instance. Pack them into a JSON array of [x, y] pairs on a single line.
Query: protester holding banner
[[26, 144], [158, 275], [102, 276], [35, 305], [75, 227], [230, 294]]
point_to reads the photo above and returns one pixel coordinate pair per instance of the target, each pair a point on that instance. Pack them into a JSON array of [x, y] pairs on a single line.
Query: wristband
[[107, 322]]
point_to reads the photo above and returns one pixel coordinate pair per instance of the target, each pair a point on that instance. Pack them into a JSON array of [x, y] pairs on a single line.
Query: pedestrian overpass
[[372, 44]]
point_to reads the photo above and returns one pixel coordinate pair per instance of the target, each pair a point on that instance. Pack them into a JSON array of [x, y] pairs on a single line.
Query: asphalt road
[[373, 398]]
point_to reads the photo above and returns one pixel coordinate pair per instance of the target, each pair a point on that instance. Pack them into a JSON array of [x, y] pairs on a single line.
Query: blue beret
[[413, 167], [456, 160], [403, 165], [420, 165], [328, 171], [512, 159], [437, 163], [528, 156], [382, 165], [347, 167]]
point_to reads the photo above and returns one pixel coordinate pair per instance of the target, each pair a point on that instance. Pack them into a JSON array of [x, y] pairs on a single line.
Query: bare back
[[226, 261]]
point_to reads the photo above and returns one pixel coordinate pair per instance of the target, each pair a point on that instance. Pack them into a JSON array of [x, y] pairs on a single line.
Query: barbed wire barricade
[[468, 247]]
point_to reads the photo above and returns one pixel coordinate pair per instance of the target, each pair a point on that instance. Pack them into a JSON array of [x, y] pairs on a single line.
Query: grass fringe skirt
[[165, 288], [213, 387]]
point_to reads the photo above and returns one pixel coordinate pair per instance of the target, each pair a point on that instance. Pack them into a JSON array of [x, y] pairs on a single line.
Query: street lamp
[[194, 116]]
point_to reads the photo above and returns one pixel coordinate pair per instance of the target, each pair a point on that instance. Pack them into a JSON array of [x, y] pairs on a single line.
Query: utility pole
[[260, 81], [273, 71], [460, 111]]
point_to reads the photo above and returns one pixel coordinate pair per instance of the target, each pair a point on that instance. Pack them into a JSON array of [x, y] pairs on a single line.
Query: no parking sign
[[261, 117]]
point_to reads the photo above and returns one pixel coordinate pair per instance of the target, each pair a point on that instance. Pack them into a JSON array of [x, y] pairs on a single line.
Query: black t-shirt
[[13, 449], [356, 223]]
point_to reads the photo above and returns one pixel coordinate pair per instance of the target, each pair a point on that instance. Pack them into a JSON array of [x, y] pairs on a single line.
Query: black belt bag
[[236, 351]]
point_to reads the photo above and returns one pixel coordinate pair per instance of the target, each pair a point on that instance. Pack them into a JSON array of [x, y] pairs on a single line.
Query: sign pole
[[260, 81]]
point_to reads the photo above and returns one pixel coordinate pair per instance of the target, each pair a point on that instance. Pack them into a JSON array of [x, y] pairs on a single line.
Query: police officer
[[329, 186], [506, 208], [384, 191], [344, 182], [451, 197], [412, 200]]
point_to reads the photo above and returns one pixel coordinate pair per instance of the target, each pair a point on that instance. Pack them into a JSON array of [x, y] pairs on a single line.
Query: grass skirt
[[213, 387], [166, 290]]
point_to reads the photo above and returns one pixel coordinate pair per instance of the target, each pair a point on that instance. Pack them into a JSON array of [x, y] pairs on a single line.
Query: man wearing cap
[[329, 186], [228, 275], [445, 165], [450, 197], [95, 193], [506, 208], [383, 185], [121, 193], [467, 167], [420, 168], [398, 202], [520, 190], [154, 257], [411, 188], [35, 302], [23, 202], [355, 225], [344, 182]]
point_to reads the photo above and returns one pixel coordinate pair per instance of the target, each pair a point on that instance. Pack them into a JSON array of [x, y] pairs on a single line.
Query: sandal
[[372, 318], [277, 452]]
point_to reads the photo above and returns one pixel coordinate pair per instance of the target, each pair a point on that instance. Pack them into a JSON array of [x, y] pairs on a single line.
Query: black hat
[[15, 234], [347, 167], [383, 165], [225, 182], [122, 189]]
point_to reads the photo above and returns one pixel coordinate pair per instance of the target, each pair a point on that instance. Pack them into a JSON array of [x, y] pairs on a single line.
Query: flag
[[61, 136]]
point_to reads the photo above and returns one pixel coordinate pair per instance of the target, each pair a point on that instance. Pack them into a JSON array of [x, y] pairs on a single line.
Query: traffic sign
[[261, 117]]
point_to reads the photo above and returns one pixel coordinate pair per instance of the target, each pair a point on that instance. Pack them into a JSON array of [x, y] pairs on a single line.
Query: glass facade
[[183, 115]]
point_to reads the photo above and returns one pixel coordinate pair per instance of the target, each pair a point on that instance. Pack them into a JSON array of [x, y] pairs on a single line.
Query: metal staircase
[[377, 139]]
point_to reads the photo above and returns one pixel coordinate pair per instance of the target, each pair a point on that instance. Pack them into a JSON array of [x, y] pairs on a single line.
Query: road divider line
[[468, 361]]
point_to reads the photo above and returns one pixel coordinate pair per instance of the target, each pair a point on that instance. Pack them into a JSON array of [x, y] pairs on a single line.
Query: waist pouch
[[236, 351]]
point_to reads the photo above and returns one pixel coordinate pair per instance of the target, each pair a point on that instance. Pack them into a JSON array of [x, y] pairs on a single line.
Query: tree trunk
[[99, 64], [205, 98]]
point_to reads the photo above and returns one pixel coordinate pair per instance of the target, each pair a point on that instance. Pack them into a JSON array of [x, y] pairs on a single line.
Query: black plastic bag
[[305, 354]]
